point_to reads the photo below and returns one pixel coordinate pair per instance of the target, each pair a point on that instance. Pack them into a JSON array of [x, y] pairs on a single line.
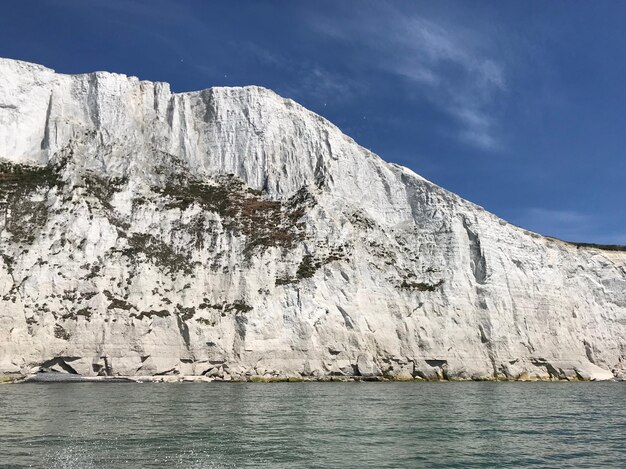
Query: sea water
[[334, 425]]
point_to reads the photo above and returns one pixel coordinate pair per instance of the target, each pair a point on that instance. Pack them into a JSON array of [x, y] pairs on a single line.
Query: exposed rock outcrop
[[232, 233]]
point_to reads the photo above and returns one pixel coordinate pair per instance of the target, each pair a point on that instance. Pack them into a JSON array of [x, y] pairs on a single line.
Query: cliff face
[[231, 232]]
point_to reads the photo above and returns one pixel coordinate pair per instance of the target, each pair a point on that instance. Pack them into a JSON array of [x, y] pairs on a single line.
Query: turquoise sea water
[[336, 425]]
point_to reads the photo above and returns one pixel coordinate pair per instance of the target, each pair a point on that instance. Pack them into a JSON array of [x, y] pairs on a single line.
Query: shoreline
[[55, 378]]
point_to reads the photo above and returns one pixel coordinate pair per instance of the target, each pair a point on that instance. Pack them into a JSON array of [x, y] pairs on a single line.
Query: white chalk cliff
[[232, 233]]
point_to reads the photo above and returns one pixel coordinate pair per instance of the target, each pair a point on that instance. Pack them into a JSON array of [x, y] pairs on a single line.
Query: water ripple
[[439, 425]]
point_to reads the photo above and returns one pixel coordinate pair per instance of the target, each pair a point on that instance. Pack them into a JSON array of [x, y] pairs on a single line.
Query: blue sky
[[517, 106]]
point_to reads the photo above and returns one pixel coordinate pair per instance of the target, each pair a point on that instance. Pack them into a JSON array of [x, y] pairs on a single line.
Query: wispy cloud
[[569, 225], [561, 217], [448, 65], [323, 85], [308, 80]]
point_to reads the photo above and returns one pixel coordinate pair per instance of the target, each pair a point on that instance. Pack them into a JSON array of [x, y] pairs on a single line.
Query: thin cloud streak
[[309, 81], [446, 64], [557, 216], [569, 225]]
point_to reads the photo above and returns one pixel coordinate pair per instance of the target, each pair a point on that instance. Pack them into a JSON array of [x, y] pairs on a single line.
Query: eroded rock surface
[[232, 233]]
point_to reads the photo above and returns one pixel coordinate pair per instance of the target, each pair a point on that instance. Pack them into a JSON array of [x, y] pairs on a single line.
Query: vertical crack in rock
[[184, 330], [484, 337], [93, 105], [208, 101], [413, 198], [589, 351], [346, 318], [45, 142], [477, 257], [240, 336], [485, 330]]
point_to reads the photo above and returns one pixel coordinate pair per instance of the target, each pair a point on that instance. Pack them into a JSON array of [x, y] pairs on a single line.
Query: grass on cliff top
[[604, 247]]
